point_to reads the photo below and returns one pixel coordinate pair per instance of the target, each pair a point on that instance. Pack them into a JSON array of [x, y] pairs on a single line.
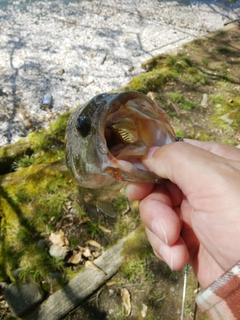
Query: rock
[[230, 117], [22, 297], [58, 252], [204, 102], [47, 102], [41, 244]]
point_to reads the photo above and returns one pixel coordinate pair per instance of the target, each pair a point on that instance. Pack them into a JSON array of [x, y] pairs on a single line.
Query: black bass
[[105, 141]]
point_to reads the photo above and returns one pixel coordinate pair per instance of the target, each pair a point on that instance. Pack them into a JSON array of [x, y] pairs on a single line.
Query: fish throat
[[132, 126]]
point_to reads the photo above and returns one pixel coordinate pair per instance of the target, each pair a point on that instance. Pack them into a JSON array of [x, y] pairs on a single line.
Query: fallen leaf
[[76, 258], [96, 254], [110, 283], [104, 229], [126, 300], [94, 244], [81, 248], [81, 221], [58, 238], [87, 253], [144, 310]]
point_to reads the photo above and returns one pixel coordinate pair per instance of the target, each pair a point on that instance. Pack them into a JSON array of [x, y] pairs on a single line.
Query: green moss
[[37, 147], [204, 136], [216, 98], [151, 81], [178, 62], [137, 253], [194, 77], [178, 97], [30, 199], [227, 115]]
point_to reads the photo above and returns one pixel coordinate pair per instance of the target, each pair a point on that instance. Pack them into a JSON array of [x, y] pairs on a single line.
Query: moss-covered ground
[[199, 88]]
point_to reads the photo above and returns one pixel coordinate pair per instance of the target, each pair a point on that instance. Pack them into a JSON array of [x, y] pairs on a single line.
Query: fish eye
[[83, 125]]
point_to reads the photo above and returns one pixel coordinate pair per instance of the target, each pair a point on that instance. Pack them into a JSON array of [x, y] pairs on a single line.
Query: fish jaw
[[107, 138]]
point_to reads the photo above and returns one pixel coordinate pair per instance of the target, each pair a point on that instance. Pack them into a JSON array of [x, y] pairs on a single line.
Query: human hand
[[195, 216]]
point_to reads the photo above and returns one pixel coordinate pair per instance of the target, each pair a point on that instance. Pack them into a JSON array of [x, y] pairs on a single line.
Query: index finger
[[222, 150]]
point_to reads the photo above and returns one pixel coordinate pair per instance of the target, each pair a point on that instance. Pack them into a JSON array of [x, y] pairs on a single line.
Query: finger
[[158, 215], [222, 150], [138, 191], [188, 166], [176, 256]]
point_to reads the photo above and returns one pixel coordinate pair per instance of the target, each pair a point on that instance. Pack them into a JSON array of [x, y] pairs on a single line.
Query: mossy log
[[84, 284]]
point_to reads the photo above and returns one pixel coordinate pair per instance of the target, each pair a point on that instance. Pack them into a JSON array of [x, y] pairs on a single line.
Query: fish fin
[[106, 207]]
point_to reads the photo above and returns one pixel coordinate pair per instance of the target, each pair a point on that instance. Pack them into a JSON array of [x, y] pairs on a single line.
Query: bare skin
[[195, 216]]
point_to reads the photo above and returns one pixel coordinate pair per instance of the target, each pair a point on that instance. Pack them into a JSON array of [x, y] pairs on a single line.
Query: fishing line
[[184, 290]]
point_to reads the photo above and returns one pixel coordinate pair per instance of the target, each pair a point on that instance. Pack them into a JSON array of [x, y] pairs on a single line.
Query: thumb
[[184, 164]]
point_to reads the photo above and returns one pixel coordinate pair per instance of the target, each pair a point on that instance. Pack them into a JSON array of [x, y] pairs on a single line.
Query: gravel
[[73, 51]]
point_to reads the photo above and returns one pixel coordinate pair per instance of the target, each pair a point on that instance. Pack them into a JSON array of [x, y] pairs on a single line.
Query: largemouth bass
[[105, 141]]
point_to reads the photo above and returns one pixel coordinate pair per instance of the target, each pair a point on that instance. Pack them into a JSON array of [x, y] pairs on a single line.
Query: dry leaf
[[81, 221], [105, 229], [94, 244], [144, 310], [96, 254], [87, 253], [81, 248], [75, 258], [66, 221], [59, 239], [126, 300], [111, 283]]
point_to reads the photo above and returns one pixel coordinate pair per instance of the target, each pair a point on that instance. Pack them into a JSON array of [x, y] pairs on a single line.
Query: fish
[[106, 139]]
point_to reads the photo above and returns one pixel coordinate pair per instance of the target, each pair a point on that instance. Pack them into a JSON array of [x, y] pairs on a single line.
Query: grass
[[223, 49], [135, 270], [184, 104], [216, 98]]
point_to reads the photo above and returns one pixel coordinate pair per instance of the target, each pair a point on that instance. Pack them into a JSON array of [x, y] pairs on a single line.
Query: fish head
[[107, 137]]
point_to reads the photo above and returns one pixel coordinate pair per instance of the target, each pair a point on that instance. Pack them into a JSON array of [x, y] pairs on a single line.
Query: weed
[[38, 264], [184, 104], [22, 196], [216, 98], [137, 270], [74, 242], [188, 105], [23, 162], [195, 77], [93, 228], [178, 62], [223, 49], [205, 62], [155, 296], [176, 96]]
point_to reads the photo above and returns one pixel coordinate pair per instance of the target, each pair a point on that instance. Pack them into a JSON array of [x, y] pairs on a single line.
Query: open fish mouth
[[130, 126]]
